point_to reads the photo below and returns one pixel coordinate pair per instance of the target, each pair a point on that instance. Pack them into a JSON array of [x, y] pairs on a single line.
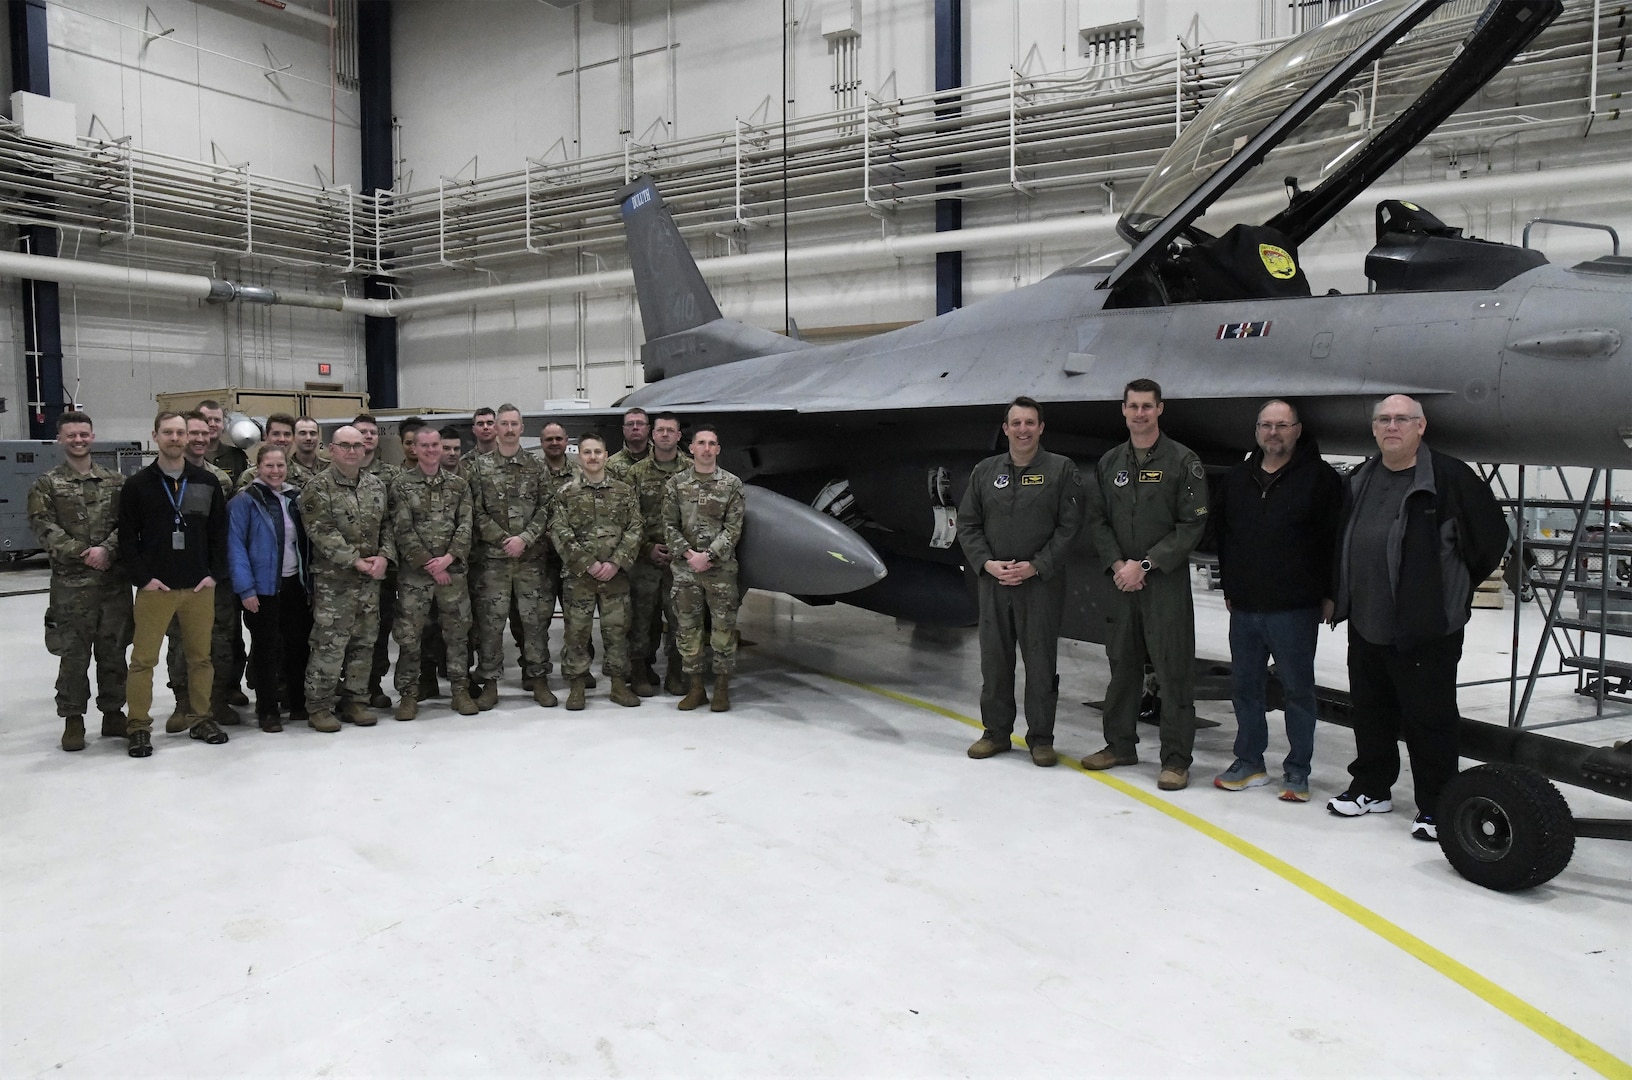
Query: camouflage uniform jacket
[[704, 513], [649, 477], [346, 520], [228, 487], [468, 460], [431, 517], [383, 471], [70, 514], [511, 496], [592, 523], [619, 464]]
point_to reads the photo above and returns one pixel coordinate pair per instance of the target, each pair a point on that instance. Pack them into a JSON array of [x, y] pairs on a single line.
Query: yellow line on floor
[[1571, 1042]]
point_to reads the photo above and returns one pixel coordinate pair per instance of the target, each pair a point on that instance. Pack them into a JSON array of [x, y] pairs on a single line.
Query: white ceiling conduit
[[1084, 228]]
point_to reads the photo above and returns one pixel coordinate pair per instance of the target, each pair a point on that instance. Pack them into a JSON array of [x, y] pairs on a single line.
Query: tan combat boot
[[575, 695], [622, 695], [73, 733], [324, 721], [407, 707], [489, 696], [722, 694], [543, 694], [359, 714], [645, 679], [461, 700], [695, 696]]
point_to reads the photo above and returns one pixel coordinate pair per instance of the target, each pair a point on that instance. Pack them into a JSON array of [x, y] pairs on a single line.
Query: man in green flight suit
[[1146, 512], [1019, 514]]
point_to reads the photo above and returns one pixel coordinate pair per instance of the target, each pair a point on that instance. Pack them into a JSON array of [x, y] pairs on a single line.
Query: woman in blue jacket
[[270, 559]]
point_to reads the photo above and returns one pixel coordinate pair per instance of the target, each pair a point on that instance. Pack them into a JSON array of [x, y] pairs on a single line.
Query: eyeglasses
[[347, 445], [1278, 427], [1394, 421]]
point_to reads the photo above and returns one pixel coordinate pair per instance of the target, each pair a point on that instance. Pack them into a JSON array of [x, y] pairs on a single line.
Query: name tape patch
[[1150, 476], [1031, 480]]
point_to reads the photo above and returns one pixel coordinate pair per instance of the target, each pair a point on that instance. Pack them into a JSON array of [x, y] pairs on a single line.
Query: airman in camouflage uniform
[[703, 511], [348, 522], [651, 579], [74, 511], [511, 493], [560, 469], [595, 525], [280, 432], [227, 653], [637, 445], [431, 521], [384, 472]]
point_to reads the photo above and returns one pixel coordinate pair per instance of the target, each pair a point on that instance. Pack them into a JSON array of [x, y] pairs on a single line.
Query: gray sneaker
[[1241, 775], [1294, 788]]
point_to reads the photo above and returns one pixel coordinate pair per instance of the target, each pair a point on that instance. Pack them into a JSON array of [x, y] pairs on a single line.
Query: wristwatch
[[1146, 565]]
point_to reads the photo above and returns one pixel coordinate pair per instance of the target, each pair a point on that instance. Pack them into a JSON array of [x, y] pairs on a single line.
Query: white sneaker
[[1349, 804]]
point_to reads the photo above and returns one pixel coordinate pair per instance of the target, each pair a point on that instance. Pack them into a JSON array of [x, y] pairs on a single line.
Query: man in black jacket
[[1276, 520], [173, 546], [1420, 531]]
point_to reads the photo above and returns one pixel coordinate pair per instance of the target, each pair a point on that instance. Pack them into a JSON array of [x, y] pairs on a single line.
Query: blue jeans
[[1290, 637]]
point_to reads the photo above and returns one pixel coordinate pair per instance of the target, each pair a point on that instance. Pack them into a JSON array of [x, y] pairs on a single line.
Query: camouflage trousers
[[345, 621], [580, 594], [415, 597], [651, 605], [525, 587], [83, 621], [227, 653], [712, 593]]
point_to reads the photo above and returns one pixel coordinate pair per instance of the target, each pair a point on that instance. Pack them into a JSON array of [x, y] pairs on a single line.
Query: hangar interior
[[818, 883]]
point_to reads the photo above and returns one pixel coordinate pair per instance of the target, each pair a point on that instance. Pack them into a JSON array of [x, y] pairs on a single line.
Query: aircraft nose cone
[[790, 547]]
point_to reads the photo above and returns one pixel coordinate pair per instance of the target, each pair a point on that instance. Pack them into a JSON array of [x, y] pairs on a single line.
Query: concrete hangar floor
[[818, 883]]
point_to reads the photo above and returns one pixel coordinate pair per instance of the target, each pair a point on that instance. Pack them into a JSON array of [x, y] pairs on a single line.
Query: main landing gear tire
[[1505, 827]]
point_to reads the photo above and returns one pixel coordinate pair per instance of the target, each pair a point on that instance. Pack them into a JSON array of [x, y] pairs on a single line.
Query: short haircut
[[1296, 419], [1143, 386], [419, 429], [166, 414], [507, 407], [1377, 407], [409, 426], [194, 414], [708, 428], [555, 424], [591, 436], [364, 418], [210, 403], [1024, 402], [280, 418], [636, 411], [303, 419], [485, 411], [74, 416], [266, 448], [450, 432], [659, 417]]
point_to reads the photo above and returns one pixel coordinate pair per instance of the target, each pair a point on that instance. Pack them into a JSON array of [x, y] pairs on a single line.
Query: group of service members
[[324, 554], [1396, 548]]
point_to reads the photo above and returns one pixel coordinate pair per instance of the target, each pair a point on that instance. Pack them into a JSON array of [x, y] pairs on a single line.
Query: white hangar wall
[[481, 88]]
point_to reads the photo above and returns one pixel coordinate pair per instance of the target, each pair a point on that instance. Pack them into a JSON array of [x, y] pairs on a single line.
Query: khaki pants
[[153, 611]]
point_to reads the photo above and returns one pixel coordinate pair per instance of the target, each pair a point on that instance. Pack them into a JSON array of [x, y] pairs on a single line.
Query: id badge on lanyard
[[178, 538]]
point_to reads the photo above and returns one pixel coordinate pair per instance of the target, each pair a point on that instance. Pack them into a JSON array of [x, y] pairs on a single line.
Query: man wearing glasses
[[345, 512], [1275, 516], [637, 445], [1419, 532]]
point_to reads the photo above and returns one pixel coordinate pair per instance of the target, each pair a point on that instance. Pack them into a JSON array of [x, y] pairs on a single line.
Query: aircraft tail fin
[[684, 328], [673, 295]]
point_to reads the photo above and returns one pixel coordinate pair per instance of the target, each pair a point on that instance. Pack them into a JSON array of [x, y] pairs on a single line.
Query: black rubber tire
[[1505, 827]]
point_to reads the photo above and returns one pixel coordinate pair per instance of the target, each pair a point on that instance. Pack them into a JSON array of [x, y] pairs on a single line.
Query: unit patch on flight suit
[[1002, 481], [1150, 476], [1031, 480], [1121, 479]]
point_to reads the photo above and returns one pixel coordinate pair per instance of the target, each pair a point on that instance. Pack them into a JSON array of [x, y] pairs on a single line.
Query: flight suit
[[90, 610], [1155, 509], [1028, 513]]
